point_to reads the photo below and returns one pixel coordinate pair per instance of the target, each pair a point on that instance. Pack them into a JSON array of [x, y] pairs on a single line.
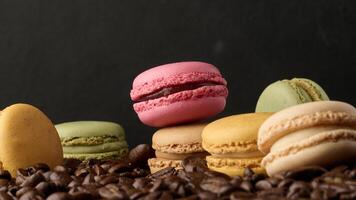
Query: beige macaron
[[27, 137], [232, 143], [316, 133], [173, 144]]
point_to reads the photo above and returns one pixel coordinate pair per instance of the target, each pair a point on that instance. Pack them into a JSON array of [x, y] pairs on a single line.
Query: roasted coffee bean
[[31, 195], [248, 172], [263, 185], [5, 196], [216, 185], [60, 168], [33, 180], [273, 193], [59, 196], [111, 191], [152, 196], [4, 182], [285, 183], [299, 189], [81, 196], [305, 173], [140, 183], [4, 174], [194, 164], [109, 179], [348, 196], [82, 172], [246, 186], [44, 188], [162, 173], [23, 190], [119, 167], [139, 155], [60, 178], [89, 179], [239, 195], [98, 170]]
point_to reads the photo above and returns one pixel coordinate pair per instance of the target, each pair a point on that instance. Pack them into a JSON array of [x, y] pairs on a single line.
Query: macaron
[[27, 137], [173, 144], [232, 143], [178, 92], [86, 140], [286, 93], [316, 133]]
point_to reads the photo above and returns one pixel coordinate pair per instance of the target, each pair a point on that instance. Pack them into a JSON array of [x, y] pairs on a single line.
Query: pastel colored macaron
[[178, 92], [316, 133], [232, 143], [286, 93], [86, 140], [173, 144], [27, 137]]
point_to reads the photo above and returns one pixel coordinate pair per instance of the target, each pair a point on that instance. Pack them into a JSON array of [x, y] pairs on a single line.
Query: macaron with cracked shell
[[173, 144], [232, 143], [286, 93], [316, 133], [178, 93]]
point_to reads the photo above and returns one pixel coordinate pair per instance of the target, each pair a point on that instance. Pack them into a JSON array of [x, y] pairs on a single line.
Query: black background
[[76, 60]]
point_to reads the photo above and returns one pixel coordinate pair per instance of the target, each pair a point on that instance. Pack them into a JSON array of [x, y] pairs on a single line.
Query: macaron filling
[[178, 156], [94, 140], [249, 154], [106, 147], [163, 92]]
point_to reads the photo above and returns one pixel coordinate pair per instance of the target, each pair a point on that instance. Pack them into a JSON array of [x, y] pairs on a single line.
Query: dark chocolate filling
[[175, 89]]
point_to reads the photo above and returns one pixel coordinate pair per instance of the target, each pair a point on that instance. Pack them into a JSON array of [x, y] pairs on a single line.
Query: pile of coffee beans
[[130, 179]]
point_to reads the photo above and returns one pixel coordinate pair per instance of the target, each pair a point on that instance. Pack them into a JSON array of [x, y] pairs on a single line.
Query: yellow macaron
[[27, 137], [232, 143], [173, 144]]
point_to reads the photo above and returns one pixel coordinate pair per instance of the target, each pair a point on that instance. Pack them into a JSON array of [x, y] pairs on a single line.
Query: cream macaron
[[316, 133], [173, 144], [232, 143], [27, 137]]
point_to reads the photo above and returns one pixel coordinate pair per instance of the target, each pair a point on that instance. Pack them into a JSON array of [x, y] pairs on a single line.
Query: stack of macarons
[[175, 97]]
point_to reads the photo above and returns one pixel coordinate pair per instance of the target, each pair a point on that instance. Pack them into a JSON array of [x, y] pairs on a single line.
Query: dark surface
[[76, 60]]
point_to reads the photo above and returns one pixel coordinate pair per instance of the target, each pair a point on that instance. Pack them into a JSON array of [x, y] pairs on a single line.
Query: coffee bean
[[98, 170], [111, 191], [140, 183], [59, 196], [263, 185], [139, 155], [119, 167], [166, 196], [299, 189], [248, 172], [194, 164], [45, 188], [285, 183], [60, 168], [216, 185], [81, 196], [89, 179], [5, 196], [162, 173], [82, 172], [241, 195], [31, 195], [348, 196], [273, 193], [109, 179], [247, 186], [23, 190], [33, 180], [305, 173], [4, 174], [60, 178]]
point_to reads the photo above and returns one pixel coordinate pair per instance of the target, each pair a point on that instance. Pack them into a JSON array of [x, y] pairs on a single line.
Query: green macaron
[[286, 93], [86, 140]]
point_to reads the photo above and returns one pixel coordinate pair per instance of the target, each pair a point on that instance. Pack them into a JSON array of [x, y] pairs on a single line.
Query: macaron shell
[[89, 129], [27, 137], [314, 90], [237, 133], [234, 167], [179, 139], [172, 70], [157, 164], [303, 116], [324, 154], [183, 111], [280, 95]]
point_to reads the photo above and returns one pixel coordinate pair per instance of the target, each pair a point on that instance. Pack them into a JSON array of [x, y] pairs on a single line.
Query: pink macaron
[[178, 92]]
